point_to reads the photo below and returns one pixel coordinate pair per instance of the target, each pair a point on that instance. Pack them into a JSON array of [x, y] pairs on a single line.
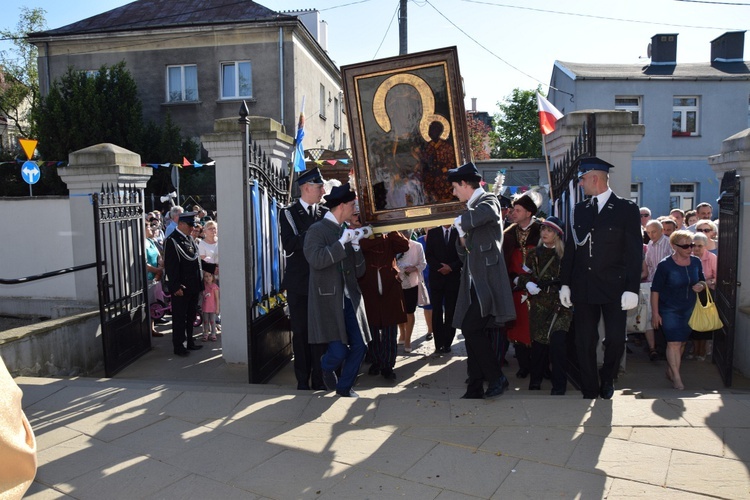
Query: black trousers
[[586, 318], [479, 334], [307, 369], [554, 353], [183, 314], [443, 306]]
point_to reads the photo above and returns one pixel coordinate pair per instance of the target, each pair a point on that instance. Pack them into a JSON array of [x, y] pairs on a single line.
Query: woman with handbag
[[676, 281], [709, 263]]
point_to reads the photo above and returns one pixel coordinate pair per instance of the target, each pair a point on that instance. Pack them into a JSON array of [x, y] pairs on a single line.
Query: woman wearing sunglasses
[[708, 228], [676, 281]]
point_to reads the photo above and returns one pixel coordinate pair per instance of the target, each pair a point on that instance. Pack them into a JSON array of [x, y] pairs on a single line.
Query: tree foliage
[[19, 76], [479, 138], [83, 109], [517, 133]]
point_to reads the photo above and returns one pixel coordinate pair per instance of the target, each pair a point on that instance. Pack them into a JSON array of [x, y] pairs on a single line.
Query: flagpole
[[546, 162], [294, 152]]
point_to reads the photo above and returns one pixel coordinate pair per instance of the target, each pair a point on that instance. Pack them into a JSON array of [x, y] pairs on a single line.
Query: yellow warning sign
[[28, 145]]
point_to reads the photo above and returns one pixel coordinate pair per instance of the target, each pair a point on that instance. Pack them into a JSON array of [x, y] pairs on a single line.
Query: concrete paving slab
[[623, 489], [217, 458], [736, 443], [709, 475], [468, 437], [618, 458], [282, 408], [253, 429], [405, 412], [48, 436], [64, 462], [463, 470], [537, 480], [373, 486], [607, 432], [713, 412], [76, 398], [138, 476], [195, 487], [360, 412], [293, 474], [488, 412], [165, 438], [196, 405], [640, 412], [694, 439], [546, 445], [568, 412], [109, 425], [39, 491]]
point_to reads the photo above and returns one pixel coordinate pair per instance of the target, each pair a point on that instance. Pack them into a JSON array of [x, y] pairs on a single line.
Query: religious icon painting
[[408, 128]]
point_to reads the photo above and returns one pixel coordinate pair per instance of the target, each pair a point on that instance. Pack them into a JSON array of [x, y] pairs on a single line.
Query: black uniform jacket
[[297, 271]]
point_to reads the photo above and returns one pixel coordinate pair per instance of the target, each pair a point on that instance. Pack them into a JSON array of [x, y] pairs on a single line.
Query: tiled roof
[[682, 71], [151, 14]]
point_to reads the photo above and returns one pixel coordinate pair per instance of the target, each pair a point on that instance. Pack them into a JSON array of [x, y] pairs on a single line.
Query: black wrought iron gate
[[121, 275], [726, 282]]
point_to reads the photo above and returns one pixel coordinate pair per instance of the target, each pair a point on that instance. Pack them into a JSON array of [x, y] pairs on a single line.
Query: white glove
[[533, 288], [355, 245], [457, 225], [362, 232], [629, 301], [565, 296], [347, 236]]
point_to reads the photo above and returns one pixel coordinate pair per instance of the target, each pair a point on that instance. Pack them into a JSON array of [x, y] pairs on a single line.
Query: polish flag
[[548, 114]]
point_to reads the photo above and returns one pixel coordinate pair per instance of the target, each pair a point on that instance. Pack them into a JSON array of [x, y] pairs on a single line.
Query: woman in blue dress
[[676, 281]]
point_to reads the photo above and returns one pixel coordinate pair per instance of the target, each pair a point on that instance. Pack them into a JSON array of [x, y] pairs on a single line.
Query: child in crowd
[[210, 306]]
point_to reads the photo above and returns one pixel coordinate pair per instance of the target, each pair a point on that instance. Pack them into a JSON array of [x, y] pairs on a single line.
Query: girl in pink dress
[[209, 306]]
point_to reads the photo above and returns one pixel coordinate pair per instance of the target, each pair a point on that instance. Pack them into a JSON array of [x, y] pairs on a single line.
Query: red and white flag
[[548, 114]]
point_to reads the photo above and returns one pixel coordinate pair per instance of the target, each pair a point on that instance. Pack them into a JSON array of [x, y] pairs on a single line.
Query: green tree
[[516, 133], [83, 109], [19, 77]]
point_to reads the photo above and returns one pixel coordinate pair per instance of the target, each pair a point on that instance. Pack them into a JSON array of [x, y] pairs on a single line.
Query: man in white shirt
[[658, 248]]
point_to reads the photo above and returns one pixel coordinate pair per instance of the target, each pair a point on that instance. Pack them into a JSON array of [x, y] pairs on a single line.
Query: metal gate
[[121, 275], [726, 282], [269, 334]]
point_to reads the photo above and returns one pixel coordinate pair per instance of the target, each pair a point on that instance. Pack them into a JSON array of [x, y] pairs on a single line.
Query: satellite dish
[[648, 51]]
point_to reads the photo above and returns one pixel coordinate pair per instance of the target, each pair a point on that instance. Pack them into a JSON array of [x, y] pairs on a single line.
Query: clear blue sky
[[502, 44]]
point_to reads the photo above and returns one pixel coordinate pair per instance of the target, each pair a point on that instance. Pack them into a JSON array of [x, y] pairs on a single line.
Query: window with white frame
[[336, 113], [635, 193], [322, 101], [182, 83], [632, 104], [236, 80], [685, 115], [682, 196]]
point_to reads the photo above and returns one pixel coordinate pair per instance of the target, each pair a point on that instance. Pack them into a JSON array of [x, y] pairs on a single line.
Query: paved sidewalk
[[170, 427]]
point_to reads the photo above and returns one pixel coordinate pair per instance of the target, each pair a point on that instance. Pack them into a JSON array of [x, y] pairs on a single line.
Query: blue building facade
[[687, 109]]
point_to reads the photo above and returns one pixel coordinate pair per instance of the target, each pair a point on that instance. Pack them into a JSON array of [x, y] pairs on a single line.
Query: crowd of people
[[182, 265], [500, 274]]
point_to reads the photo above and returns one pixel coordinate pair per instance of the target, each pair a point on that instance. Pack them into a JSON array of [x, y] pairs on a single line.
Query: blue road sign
[[30, 172]]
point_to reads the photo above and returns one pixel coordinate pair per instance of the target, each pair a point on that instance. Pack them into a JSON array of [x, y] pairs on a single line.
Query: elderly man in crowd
[[174, 215], [657, 249]]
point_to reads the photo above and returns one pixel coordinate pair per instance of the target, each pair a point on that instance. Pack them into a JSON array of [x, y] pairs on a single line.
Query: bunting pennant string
[[58, 163]]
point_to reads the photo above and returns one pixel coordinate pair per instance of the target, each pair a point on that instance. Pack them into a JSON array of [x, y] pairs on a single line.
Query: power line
[[716, 3], [343, 5], [592, 16], [386, 31]]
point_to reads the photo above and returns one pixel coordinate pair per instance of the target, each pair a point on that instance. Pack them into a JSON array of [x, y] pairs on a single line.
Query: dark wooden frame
[[421, 81]]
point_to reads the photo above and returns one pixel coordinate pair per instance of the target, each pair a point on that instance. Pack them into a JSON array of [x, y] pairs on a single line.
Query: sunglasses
[[685, 246], [705, 230], [645, 215]]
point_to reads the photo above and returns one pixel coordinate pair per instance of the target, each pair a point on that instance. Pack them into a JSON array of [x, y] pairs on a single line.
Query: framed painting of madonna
[[408, 128]]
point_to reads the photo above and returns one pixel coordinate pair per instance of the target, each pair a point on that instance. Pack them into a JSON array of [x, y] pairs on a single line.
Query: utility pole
[[402, 38]]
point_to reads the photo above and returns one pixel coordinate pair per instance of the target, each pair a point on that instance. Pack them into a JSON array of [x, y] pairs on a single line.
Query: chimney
[[473, 104], [728, 47], [663, 49]]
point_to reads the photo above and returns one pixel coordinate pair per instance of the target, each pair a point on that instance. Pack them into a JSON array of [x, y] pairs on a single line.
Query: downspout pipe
[[281, 78]]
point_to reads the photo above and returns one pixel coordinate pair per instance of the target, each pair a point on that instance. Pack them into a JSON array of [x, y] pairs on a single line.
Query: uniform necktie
[[311, 211], [595, 204], [447, 236]]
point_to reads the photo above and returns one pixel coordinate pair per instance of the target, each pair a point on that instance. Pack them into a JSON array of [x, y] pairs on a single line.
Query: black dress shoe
[[303, 387], [347, 394], [157, 334], [181, 352], [473, 395], [161, 321], [194, 347], [330, 380], [607, 391], [497, 388], [320, 387], [374, 369], [428, 336], [522, 373], [557, 392], [389, 374], [535, 387], [447, 349]]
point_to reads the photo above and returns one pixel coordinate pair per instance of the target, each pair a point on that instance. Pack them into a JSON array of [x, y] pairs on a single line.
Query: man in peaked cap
[[484, 300], [295, 220], [183, 280], [336, 310], [600, 274]]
